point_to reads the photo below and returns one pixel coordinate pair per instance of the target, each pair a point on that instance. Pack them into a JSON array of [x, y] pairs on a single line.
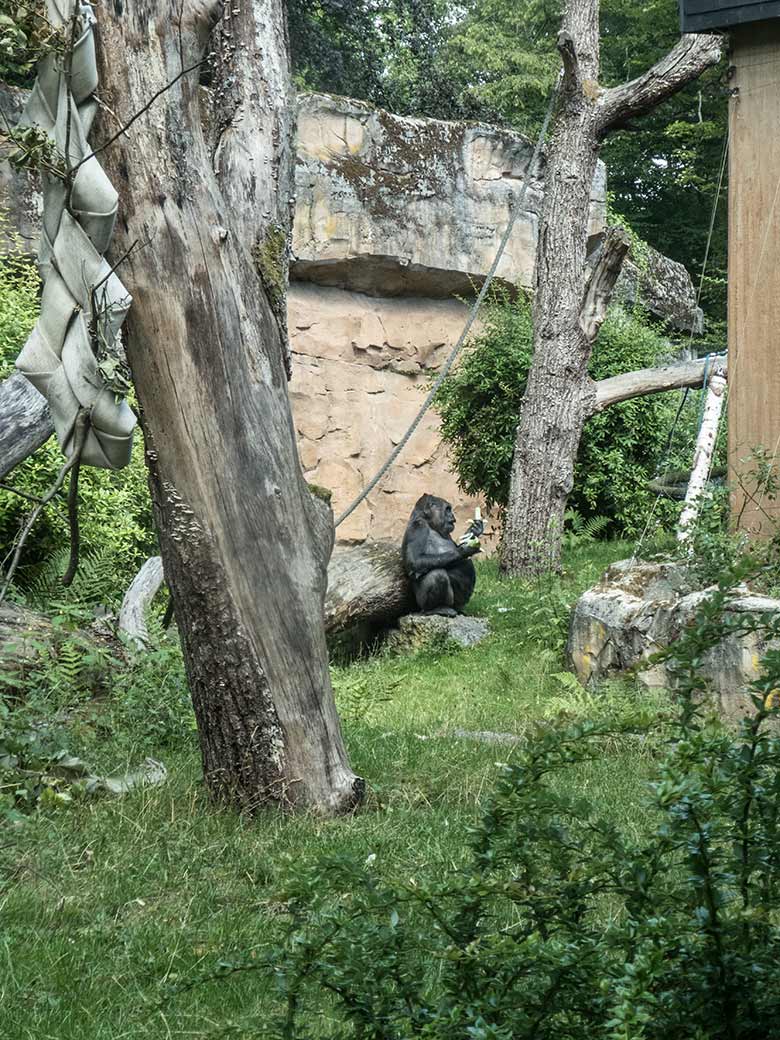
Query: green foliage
[[621, 448], [25, 35], [362, 689], [562, 924], [31, 773], [116, 523], [19, 291], [149, 708]]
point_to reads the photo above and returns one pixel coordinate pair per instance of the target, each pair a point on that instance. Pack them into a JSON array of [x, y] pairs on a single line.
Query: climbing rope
[[516, 207], [75, 346]]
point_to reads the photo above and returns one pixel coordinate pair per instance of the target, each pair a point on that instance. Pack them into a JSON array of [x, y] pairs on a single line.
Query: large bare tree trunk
[[571, 299], [205, 181]]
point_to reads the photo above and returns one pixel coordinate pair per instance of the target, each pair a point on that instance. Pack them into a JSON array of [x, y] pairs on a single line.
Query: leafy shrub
[[622, 447], [116, 522], [19, 293], [563, 924]]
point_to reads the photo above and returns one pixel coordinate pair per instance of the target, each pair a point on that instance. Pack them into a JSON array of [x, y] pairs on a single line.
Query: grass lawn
[[108, 908]]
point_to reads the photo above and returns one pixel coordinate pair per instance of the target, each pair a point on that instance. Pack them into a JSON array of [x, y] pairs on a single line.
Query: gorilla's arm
[[424, 551]]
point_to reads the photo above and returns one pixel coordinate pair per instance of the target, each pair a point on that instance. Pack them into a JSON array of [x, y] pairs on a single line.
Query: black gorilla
[[441, 572]]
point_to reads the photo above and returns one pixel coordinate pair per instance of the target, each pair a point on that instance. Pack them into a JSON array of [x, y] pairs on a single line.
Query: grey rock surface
[[637, 610], [416, 631]]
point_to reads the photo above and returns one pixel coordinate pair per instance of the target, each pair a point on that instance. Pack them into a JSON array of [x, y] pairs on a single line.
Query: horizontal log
[[25, 423], [653, 381], [366, 584]]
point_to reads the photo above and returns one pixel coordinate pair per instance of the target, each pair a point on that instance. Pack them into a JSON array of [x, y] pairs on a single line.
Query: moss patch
[[323, 493], [270, 257]]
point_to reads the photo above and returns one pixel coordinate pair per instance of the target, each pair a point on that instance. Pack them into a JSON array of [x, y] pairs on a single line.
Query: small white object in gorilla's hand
[[470, 539]]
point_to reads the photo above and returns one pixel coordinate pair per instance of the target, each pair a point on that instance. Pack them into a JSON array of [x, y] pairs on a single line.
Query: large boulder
[[638, 609]]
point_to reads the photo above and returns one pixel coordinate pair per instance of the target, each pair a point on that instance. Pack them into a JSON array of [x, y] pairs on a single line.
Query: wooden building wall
[[754, 266]]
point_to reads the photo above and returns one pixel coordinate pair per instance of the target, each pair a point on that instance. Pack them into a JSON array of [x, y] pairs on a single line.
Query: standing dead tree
[[572, 295], [205, 176]]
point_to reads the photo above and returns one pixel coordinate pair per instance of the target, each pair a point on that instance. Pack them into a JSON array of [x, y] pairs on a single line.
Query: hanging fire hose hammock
[[74, 352]]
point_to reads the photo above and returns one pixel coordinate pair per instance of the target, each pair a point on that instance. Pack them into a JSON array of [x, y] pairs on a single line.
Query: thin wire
[[472, 313]]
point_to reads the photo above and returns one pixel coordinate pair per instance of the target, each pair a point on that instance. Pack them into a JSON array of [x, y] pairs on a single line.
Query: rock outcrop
[[638, 609]]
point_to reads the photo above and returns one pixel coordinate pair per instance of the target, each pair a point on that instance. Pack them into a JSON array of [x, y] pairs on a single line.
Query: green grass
[[110, 909]]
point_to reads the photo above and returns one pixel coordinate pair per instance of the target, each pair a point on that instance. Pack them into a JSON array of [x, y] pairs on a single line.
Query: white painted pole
[[702, 456]]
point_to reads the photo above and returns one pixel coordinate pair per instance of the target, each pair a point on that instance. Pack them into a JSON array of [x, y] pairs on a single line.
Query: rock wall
[[397, 222]]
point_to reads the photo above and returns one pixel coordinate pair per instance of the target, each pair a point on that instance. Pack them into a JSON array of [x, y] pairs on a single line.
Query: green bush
[[115, 511], [621, 448], [19, 293], [564, 924]]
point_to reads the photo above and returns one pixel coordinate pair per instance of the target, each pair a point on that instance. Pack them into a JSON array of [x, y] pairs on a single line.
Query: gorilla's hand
[[471, 548]]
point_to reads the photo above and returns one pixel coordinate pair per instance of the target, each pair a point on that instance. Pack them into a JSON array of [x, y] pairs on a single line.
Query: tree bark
[[555, 403], [25, 422], [206, 182], [570, 301]]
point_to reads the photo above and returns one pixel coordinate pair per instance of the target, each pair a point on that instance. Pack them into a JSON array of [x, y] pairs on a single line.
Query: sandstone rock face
[[361, 367], [664, 288], [638, 609], [401, 206]]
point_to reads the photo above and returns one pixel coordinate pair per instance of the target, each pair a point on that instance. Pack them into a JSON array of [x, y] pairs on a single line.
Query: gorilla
[[442, 575]]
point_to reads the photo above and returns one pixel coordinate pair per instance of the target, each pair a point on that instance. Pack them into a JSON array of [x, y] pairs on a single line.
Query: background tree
[[245, 544], [570, 300]]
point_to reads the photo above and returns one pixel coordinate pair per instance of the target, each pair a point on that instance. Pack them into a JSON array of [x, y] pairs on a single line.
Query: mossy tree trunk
[[205, 181], [571, 296]]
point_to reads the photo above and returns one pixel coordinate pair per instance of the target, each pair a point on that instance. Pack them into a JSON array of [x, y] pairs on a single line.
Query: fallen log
[[25, 422], [138, 599], [26, 635], [366, 584]]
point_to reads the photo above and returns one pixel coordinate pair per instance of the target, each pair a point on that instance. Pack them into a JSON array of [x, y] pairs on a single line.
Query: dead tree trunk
[[571, 300], [205, 181]]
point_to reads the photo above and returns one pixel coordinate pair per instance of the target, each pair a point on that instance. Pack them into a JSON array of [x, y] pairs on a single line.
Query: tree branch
[[651, 381], [684, 63], [25, 421], [601, 284]]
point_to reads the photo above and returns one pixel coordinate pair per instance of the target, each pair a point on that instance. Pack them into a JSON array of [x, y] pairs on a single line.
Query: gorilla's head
[[436, 512]]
